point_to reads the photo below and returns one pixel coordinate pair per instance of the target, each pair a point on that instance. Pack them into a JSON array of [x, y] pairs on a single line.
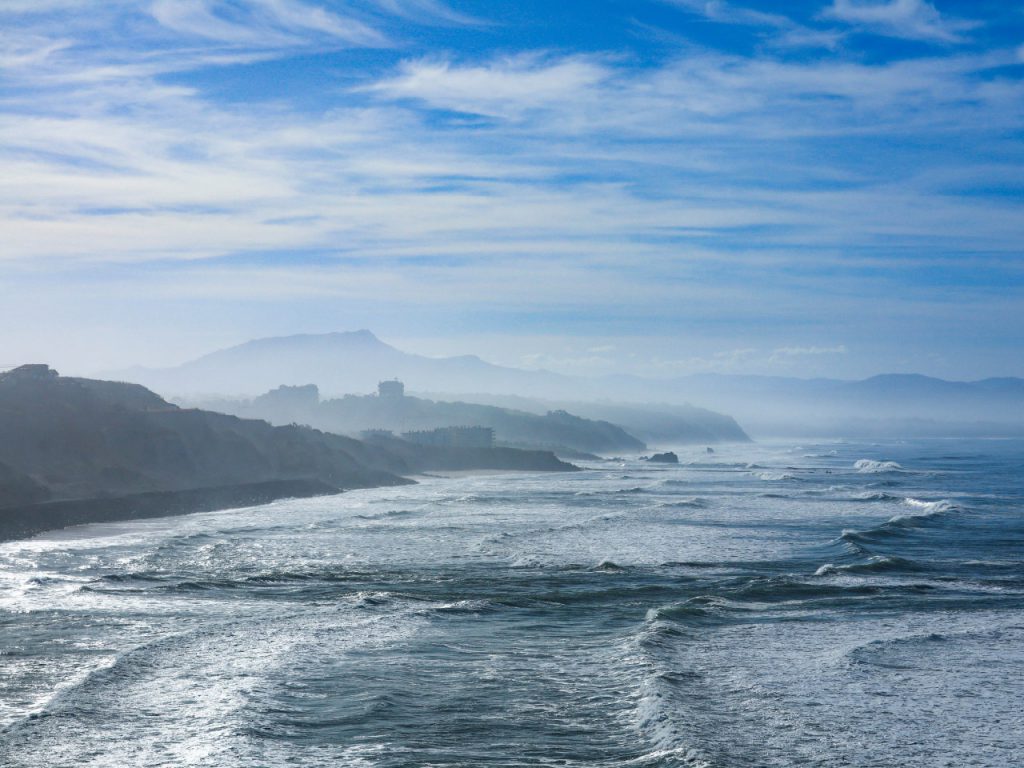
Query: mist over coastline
[[349, 363], [511, 383]]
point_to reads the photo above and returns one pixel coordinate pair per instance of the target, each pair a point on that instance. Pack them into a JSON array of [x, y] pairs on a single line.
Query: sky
[[663, 187]]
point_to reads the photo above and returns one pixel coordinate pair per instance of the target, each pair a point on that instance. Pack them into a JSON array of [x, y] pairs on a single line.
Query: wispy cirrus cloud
[[910, 19], [167, 36], [783, 30], [654, 192], [262, 23], [503, 87], [178, 176], [427, 11]]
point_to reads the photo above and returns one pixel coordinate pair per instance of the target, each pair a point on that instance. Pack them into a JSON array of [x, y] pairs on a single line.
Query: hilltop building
[[391, 390], [30, 372]]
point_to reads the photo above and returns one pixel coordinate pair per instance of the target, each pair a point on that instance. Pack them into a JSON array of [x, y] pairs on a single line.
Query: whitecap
[[871, 466]]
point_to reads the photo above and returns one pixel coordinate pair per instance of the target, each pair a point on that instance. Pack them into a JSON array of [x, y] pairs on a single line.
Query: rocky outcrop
[[664, 458]]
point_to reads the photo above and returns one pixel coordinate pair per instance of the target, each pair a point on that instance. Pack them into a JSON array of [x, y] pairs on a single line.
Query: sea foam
[[871, 466]]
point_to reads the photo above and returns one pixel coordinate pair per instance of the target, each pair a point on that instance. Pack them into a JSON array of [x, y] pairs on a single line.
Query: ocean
[[821, 604]]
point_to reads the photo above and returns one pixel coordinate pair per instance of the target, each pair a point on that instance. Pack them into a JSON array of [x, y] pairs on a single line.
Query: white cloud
[[591, 186], [703, 97], [910, 19], [261, 23], [19, 7], [504, 87], [121, 167], [427, 11], [784, 31]]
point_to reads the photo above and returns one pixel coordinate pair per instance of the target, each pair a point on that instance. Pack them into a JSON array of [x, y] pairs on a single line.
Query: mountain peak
[[361, 335]]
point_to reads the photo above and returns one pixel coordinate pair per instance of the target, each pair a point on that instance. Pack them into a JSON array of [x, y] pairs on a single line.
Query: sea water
[[827, 604]]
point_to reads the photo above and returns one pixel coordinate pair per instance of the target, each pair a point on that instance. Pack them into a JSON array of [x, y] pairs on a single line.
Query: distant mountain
[[355, 362], [898, 405], [889, 405], [339, 363]]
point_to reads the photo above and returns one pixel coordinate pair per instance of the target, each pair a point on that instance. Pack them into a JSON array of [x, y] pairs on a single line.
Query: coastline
[[26, 521]]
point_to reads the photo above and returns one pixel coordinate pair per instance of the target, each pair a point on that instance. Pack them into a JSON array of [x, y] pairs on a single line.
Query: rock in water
[[665, 458]]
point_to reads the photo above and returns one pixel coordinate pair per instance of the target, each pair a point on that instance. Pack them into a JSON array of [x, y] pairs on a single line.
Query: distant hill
[[69, 439], [896, 405], [555, 430], [339, 363], [658, 424], [354, 362], [890, 405]]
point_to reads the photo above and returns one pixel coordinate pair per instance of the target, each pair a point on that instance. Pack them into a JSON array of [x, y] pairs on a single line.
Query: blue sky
[[826, 187]]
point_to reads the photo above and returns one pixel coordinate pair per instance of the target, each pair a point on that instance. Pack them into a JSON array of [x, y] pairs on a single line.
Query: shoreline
[[455, 474], [23, 522]]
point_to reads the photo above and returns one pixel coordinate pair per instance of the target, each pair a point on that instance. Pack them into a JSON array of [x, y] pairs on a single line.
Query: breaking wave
[[871, 466]]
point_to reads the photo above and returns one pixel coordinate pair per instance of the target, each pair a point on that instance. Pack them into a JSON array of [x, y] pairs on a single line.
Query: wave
[[701, 609], [898, 525], [856, 541], [931, 507], [616, 492], [162, 582], [472, 607], [875, 496], [390, 515], [780, 589], [775, 476], [659, 717], [927, 510], [875, 564], [717, 465], [583, 525], [692, 503], [872, 467], [903, 652]]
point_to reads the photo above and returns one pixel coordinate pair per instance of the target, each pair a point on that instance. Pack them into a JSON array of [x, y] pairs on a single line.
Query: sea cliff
[[81, 450]]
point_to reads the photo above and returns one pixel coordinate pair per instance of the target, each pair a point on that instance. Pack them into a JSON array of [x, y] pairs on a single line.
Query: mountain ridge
[[352, 362], [290, 365]]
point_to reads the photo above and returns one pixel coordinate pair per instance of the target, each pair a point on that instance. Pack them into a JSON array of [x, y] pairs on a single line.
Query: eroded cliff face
[[70, 440], [80, 438]]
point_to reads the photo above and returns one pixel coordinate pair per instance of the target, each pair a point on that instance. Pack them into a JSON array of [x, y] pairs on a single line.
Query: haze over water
[[767, 605]]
